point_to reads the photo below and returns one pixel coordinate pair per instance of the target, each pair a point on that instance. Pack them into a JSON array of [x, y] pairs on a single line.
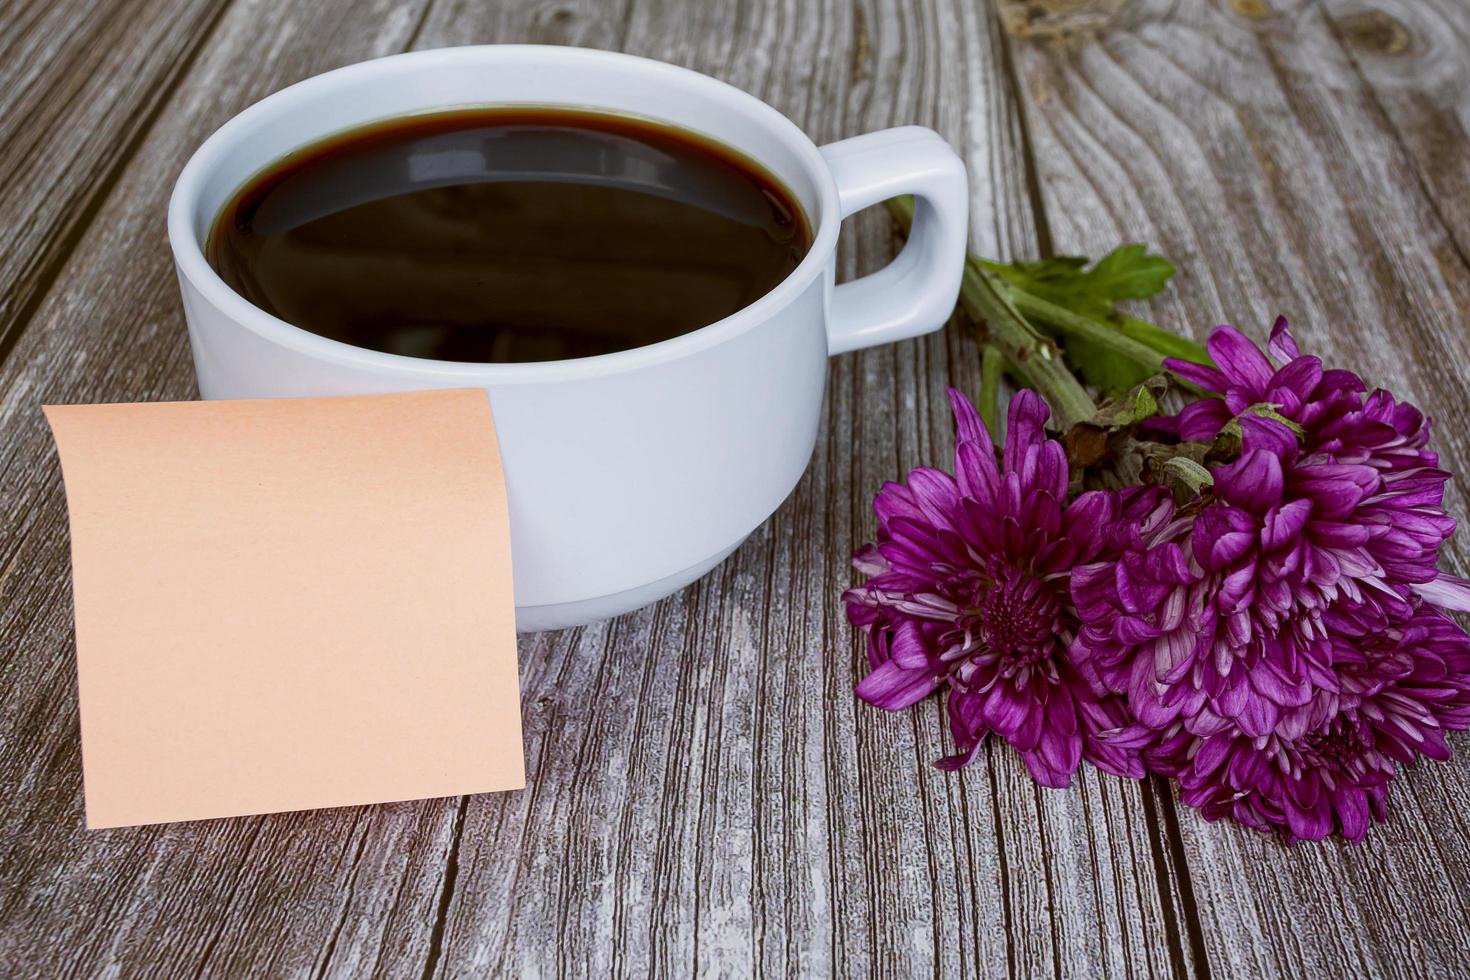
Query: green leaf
[[1186, 477], [1041, 274], [1127, 272], [1139, 403], [1161, 340], [1107, 369], [1075, 304], [1107, 437], [1060, 280], [1182, 467]]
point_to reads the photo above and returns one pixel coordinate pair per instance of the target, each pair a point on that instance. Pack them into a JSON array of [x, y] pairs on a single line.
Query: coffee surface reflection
[[508, 234]]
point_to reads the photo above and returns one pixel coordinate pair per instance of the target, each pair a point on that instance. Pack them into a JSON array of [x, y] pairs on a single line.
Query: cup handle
[[915, 293]]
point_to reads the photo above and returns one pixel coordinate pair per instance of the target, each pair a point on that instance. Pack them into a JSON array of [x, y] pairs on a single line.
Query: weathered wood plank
[[1242, 140], [79, 85], [333, 891], [1411, 54], [707, 794]]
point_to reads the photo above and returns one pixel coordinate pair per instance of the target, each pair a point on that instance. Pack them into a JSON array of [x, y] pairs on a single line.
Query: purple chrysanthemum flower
[[1399, 688], [968, 590], [1279, 633], [1337, 422], [1334, 503]]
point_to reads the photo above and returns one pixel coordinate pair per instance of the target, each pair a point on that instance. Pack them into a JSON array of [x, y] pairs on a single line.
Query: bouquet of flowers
[[1242, 595]]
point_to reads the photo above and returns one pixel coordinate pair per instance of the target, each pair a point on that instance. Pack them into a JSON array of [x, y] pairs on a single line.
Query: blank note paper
[[289, 604]]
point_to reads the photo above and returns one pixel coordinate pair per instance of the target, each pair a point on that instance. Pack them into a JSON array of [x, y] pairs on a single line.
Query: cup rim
[[188, 250]]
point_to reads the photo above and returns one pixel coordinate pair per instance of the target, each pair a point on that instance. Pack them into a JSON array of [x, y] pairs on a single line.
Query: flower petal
[[1044, 772], [1205, 377], [1257, 432], [1025, 427], [1282, 344], [1006, 709], [1282, 524], [1253, 482], [976, 472], [1239, 358], [1446, 591], [894, 688], [1351, 804], [1298, 379], [968, 425], [1202, 421], [1212, 752]]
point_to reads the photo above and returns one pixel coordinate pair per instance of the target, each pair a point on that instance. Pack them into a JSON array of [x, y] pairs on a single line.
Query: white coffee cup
[[629, 474]]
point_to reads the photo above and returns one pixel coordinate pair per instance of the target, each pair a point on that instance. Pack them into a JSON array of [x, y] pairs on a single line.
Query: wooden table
[[706, 795]]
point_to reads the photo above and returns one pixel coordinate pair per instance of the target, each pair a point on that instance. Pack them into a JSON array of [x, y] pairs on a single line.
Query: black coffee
[[508, 234]]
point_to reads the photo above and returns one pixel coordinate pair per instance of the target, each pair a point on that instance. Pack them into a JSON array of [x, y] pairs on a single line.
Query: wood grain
[[1246, 141], [707, 791], [278, 895], [1410, 56], [79, 86], [706, 796], [705, 892]]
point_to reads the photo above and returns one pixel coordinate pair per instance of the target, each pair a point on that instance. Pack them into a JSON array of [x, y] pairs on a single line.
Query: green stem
[[1070, 324], [992, 365], [1034, 357], [1161, 340], [1144, 333]]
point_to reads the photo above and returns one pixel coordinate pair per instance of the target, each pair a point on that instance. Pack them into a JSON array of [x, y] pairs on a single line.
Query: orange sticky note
[[289, 604]]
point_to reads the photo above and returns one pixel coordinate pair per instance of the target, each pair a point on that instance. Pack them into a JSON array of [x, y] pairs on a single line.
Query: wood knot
[[1375, 32], [1056, 19], [1253, 9], [556, 18]]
